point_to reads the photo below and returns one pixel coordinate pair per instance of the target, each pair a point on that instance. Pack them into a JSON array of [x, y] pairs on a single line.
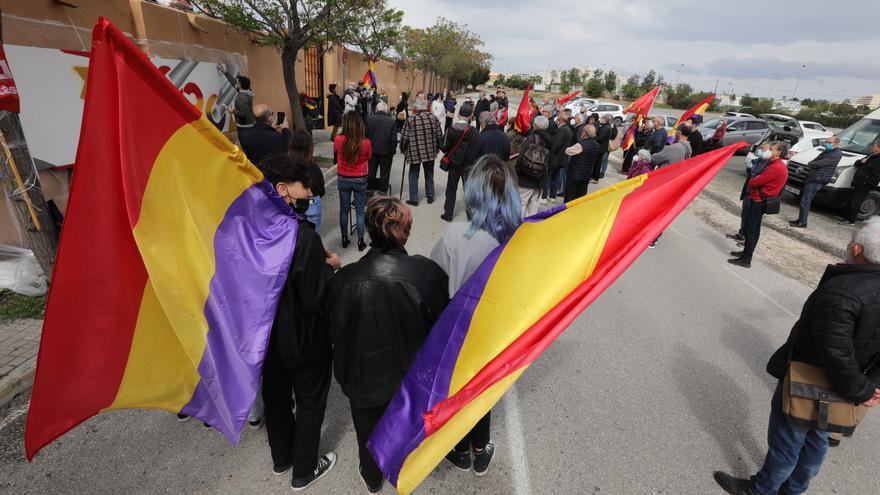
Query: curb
[[735, 207], [19, 380]]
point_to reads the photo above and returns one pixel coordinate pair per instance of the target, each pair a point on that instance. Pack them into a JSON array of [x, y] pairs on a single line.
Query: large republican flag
[[505, 316], [171, 262], [641, 107], [698, 109], [369, 78]]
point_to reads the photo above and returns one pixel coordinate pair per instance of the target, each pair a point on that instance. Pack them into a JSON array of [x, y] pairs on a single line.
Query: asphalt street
[[660, 382]]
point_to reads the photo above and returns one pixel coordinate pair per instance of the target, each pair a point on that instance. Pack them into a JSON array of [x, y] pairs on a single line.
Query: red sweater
[[356, 168], [770, 182]]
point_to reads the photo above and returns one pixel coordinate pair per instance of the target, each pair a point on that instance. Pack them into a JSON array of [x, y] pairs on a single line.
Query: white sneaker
[[542, 201]]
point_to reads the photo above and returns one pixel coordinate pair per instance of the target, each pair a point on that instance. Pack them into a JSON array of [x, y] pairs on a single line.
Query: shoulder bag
[[771, 205], [533, 160], [445, 161]]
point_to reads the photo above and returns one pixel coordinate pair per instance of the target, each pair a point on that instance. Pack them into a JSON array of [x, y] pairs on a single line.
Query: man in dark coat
[[482, 106], [296, 370], [491, 140], [335, 109], [820, 171], [580, 165], [379, 311], [659, 137], [837, 331], [382, 132], [265, 138], [558, 159], [695, 138], [603, 137], [865, 180], [456, 145]]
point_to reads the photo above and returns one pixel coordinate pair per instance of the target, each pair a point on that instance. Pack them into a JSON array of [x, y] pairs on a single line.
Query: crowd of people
[[363, 323]]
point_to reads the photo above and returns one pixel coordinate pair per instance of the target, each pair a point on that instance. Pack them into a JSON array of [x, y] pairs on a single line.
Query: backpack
[[533, 161]]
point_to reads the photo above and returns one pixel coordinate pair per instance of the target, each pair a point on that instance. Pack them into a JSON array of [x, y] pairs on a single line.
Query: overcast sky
[[754, 46]]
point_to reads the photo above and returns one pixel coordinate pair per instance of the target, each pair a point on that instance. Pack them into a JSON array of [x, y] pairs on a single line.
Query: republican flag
[[698, 109], [170, 267], [505, 316], [524, 113], [567, 98], [369, 78], [641, 107]]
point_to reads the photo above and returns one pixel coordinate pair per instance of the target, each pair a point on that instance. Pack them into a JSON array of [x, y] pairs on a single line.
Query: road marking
[[759, 291], [677, 232], [13, 415], [516, 443]]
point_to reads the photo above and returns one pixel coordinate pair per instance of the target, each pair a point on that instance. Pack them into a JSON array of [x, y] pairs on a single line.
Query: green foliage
[[595, 84], [611, 81], [447, 49], [631, 88], [379, 30], [479, 76], [649, 82], [16, 306], [519, 82]]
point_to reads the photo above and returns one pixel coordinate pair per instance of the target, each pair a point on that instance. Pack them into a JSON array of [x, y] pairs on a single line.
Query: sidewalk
[[19, 343]]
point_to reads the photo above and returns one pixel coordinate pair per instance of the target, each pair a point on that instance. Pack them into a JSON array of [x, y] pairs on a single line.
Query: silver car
[[748, 129]]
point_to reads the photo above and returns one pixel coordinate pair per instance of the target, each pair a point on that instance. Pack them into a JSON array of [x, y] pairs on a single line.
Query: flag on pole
[[567, 98], [170, 268], [698, 109], [524, 113], [641, 107], [369, 78], [505, 316]]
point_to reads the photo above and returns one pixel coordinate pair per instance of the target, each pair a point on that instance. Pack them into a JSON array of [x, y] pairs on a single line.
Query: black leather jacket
[[839, 330], [379, 312]]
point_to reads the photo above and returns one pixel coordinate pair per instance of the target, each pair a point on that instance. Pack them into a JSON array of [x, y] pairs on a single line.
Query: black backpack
[[533, 160]]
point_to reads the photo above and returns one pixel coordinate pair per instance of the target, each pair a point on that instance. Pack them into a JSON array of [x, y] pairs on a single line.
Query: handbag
[[445, 161], [771, 205], [809, 399]]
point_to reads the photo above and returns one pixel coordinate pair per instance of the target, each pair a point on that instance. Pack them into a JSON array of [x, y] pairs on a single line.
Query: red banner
[[8, 91]]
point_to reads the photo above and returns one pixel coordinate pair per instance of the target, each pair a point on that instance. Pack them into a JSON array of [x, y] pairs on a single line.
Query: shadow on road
[[747, 341]]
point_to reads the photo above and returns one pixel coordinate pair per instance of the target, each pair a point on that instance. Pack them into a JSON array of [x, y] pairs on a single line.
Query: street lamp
[[797, 81], [677, 73]]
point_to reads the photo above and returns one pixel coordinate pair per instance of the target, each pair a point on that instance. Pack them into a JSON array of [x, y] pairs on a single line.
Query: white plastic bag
[[20, 272]]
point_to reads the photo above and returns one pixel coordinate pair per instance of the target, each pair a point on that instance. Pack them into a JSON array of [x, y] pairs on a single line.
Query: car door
[[755, 130], [670, 121], [735, 132]]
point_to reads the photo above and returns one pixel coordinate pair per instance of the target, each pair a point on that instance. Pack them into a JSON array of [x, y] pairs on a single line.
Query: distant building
[[870, 101], [790, 106]]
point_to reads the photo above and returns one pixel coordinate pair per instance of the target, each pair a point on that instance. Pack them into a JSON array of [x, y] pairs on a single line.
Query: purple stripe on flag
[[402, 427], [253, 248]]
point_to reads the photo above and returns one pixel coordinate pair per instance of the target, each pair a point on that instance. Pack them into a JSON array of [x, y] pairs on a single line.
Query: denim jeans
[[551, 183], [794, 454], [604, 164], [807, 194], [313, 214], [560, 182], [414, 180], [349, 186]]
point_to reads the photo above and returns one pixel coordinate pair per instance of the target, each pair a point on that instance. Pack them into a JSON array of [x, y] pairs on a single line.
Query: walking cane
[[402, 177]]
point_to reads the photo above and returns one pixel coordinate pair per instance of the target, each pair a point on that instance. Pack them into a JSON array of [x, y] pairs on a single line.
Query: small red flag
[[524, 113], [567, 98], [644, 103]]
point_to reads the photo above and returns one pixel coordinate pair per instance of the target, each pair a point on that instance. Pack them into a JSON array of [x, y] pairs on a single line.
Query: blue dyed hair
[[492, 199]]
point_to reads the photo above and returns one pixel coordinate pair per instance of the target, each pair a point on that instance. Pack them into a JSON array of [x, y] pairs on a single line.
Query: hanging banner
[[8, 91]]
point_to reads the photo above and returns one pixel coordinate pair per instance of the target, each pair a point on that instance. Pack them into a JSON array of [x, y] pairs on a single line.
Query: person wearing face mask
[[837, 332], [767, 185], [820, 171], [762, 158], [296, 370]]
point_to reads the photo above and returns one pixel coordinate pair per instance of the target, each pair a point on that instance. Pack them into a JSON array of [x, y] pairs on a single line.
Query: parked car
[[668, 120], [576, 104], [806, 124], [614, 109], [738, 114], [748, 129], [810, 141], [855, 143]]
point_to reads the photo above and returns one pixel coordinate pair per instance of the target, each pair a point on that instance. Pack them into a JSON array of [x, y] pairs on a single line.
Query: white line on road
[[516, 443], [759, 291], [13, 415]]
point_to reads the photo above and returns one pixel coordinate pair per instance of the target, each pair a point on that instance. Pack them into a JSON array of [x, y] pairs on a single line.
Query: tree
[[649, 82], [596, 84], [479, 76], [289, 26], [501, 80], [379, 30], [448, 50], [611, 81], [631, 89]]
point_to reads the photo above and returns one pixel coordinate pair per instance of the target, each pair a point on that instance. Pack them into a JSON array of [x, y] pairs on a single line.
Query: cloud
[[774, 68]]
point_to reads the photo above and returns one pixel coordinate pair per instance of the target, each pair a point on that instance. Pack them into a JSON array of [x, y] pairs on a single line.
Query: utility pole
[[715, 91], [797, 81]]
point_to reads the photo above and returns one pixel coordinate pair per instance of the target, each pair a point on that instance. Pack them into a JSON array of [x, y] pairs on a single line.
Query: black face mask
[[301, 205]]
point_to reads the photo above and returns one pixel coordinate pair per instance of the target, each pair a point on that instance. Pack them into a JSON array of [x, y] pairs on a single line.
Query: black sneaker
[[430, 201], [740, 262], [797, 224], [483, 459], [412, 203], [733, 486], [461, 460], [279, 469], [446, 218], [736, 237], [834, 442], [372, 488], [652, 245], [183, 417], [325, 464], [256, 424], [844, 221], [738, 254]]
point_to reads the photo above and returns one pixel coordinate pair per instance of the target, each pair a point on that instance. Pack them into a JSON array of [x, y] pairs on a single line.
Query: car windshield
[[858, 137], [711, 124]]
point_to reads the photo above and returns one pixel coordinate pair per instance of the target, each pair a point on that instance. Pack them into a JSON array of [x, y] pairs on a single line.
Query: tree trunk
[[44, 243], [288, 67]]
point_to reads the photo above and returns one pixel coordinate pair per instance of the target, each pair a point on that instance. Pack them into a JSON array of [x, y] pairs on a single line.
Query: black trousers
[[859, 194], [575, 188], [754, 218], [382, 165], [296, 437], [365, 420], [479, 435], [597, 167], [448, 123], [628, 158], [455, 175]]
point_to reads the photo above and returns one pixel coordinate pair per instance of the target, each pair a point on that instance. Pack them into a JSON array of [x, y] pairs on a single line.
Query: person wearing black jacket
[[297, 362], [379, 311], [456, 144], [335, 109], [580, 165], [382, 133], [837, 331], [820, 171], [603, 137], [659, 138], [264, 138], [558, 159], [482, 106], [865, 180], [402, 108], [695, 138], [491, 140]]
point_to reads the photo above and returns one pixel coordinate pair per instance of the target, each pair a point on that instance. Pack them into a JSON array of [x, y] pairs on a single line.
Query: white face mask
[[765, 155]]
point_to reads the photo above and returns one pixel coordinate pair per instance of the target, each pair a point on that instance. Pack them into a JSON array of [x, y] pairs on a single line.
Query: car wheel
[[870, 207], [618, 121]]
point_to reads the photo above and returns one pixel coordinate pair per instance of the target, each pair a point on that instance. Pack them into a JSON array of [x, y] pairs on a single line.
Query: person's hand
[[334, 261], [874, 400], [285, 124]]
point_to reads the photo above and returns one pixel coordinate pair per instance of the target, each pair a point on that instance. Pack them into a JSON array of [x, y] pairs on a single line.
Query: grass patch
[[16, 306]]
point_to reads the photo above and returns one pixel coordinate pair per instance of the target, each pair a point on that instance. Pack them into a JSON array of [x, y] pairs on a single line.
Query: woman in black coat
[[334, 111], [402, 108]]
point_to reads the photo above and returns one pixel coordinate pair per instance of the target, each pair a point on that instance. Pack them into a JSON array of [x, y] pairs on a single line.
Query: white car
[[806, 124], [576, 104], [614, 109], [738, 114], [809, 142]]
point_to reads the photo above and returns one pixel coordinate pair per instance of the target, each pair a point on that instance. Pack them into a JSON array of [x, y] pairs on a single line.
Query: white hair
[[645, 155], [869, 238], [541, 122], [487, 118], [607, 118], [382, 107], [547, 108]]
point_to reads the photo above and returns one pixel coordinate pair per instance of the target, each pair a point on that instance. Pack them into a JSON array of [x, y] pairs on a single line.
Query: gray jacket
[[673, 153]]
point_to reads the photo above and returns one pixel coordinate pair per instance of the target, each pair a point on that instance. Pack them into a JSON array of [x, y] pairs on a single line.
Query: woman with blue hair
[[494, 212]]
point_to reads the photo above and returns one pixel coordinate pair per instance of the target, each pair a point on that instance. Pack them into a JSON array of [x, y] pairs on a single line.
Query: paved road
[[660, 382]]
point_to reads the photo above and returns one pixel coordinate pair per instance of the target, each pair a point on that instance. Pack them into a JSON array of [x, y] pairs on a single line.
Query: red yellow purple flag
[[369, 78], [698, 109], [505, 316], [524, 113], [641, 107], [170, 266]]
